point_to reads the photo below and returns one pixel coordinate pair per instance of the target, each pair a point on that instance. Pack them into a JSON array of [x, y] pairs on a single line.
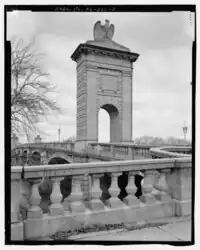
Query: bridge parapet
[[135, 151], [166, 191], [65, 145], [122, 150], [48, 151]]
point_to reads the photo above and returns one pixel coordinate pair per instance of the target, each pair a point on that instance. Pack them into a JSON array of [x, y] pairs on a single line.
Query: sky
[[161, 75]]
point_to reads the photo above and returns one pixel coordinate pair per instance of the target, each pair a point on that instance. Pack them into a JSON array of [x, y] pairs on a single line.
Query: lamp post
[[185, 128], [59, 134]]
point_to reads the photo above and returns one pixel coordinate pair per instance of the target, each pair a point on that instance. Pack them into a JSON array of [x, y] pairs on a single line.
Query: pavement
[[179, 231]]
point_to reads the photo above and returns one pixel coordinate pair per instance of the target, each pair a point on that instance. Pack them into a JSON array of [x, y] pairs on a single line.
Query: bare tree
[[30, 88]]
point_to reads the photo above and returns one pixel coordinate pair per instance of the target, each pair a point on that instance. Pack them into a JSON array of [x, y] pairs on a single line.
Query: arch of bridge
[[58, 155], [50, 153]]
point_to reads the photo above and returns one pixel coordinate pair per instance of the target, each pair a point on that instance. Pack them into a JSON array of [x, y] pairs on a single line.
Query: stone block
[[148, 211], [115, 202], [182, 207], [56, 209], [35, 213], [148, 198], [96, 205], [77, 207], [131, 200], [162, 196], [17, 232], [33, 228], [115, 216]]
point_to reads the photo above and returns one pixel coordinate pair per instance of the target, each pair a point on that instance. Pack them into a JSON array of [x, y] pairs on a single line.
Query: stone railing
[[171, 152], [93, 193], [86, 156], [65, 145], [121, 150]]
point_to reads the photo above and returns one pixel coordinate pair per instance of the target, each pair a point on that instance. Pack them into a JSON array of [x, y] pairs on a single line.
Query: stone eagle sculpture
[[103, 32]]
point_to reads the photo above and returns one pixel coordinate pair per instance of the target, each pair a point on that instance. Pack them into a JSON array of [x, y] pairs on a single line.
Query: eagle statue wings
[[103, 32]]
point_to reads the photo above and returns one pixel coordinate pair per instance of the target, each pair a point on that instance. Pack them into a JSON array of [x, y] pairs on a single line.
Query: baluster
[[95, 202], [147, 187], [162, 186], [56, 207], [35, 211], [76, 196], [130, 153], [114, 191], [131, 189], [112, 150]]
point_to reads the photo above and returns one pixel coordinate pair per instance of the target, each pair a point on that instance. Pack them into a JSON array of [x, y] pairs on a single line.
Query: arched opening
[[103, 126], [57, 160], [108, 122]]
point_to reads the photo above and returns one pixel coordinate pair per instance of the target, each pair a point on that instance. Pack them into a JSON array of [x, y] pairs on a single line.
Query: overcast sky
[[162, 74]]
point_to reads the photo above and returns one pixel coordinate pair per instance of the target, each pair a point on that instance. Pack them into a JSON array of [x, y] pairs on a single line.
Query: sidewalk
[[179, 231]]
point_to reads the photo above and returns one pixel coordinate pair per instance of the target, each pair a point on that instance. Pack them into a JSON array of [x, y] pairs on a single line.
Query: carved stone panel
[[109, 82]]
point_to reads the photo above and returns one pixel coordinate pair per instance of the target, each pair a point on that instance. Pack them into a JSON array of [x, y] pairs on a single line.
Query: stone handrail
[[125, 151], [171, 178], [171, 152], [133, 151], [69, 145], [94, 167]]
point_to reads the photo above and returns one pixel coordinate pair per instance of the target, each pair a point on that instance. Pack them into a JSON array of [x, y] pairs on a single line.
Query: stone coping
[[165, 151], [122, 145], [133, 145], [99, 167]]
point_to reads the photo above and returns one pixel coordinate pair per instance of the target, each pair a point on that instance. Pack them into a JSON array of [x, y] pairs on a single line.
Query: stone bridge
[[61, 153], [55, 153]]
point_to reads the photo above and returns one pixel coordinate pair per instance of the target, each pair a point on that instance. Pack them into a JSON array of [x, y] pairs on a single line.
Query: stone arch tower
[[104, 80]]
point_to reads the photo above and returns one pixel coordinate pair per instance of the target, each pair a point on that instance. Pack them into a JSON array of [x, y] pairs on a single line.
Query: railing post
[[95, 202], [112, 150], [35, 212], [76, 196], [147, 187], [34, 222], [131, 189], [162, 186], [180, 183], [56, 207], [130, 153], [16, 224], [114, 191]]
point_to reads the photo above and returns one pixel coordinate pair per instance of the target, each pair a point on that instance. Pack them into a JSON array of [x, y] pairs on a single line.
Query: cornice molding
[[98, 50]]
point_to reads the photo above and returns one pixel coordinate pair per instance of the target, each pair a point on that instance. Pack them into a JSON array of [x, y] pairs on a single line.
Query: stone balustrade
[[94, 194], [64, 145], [125, 151]]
